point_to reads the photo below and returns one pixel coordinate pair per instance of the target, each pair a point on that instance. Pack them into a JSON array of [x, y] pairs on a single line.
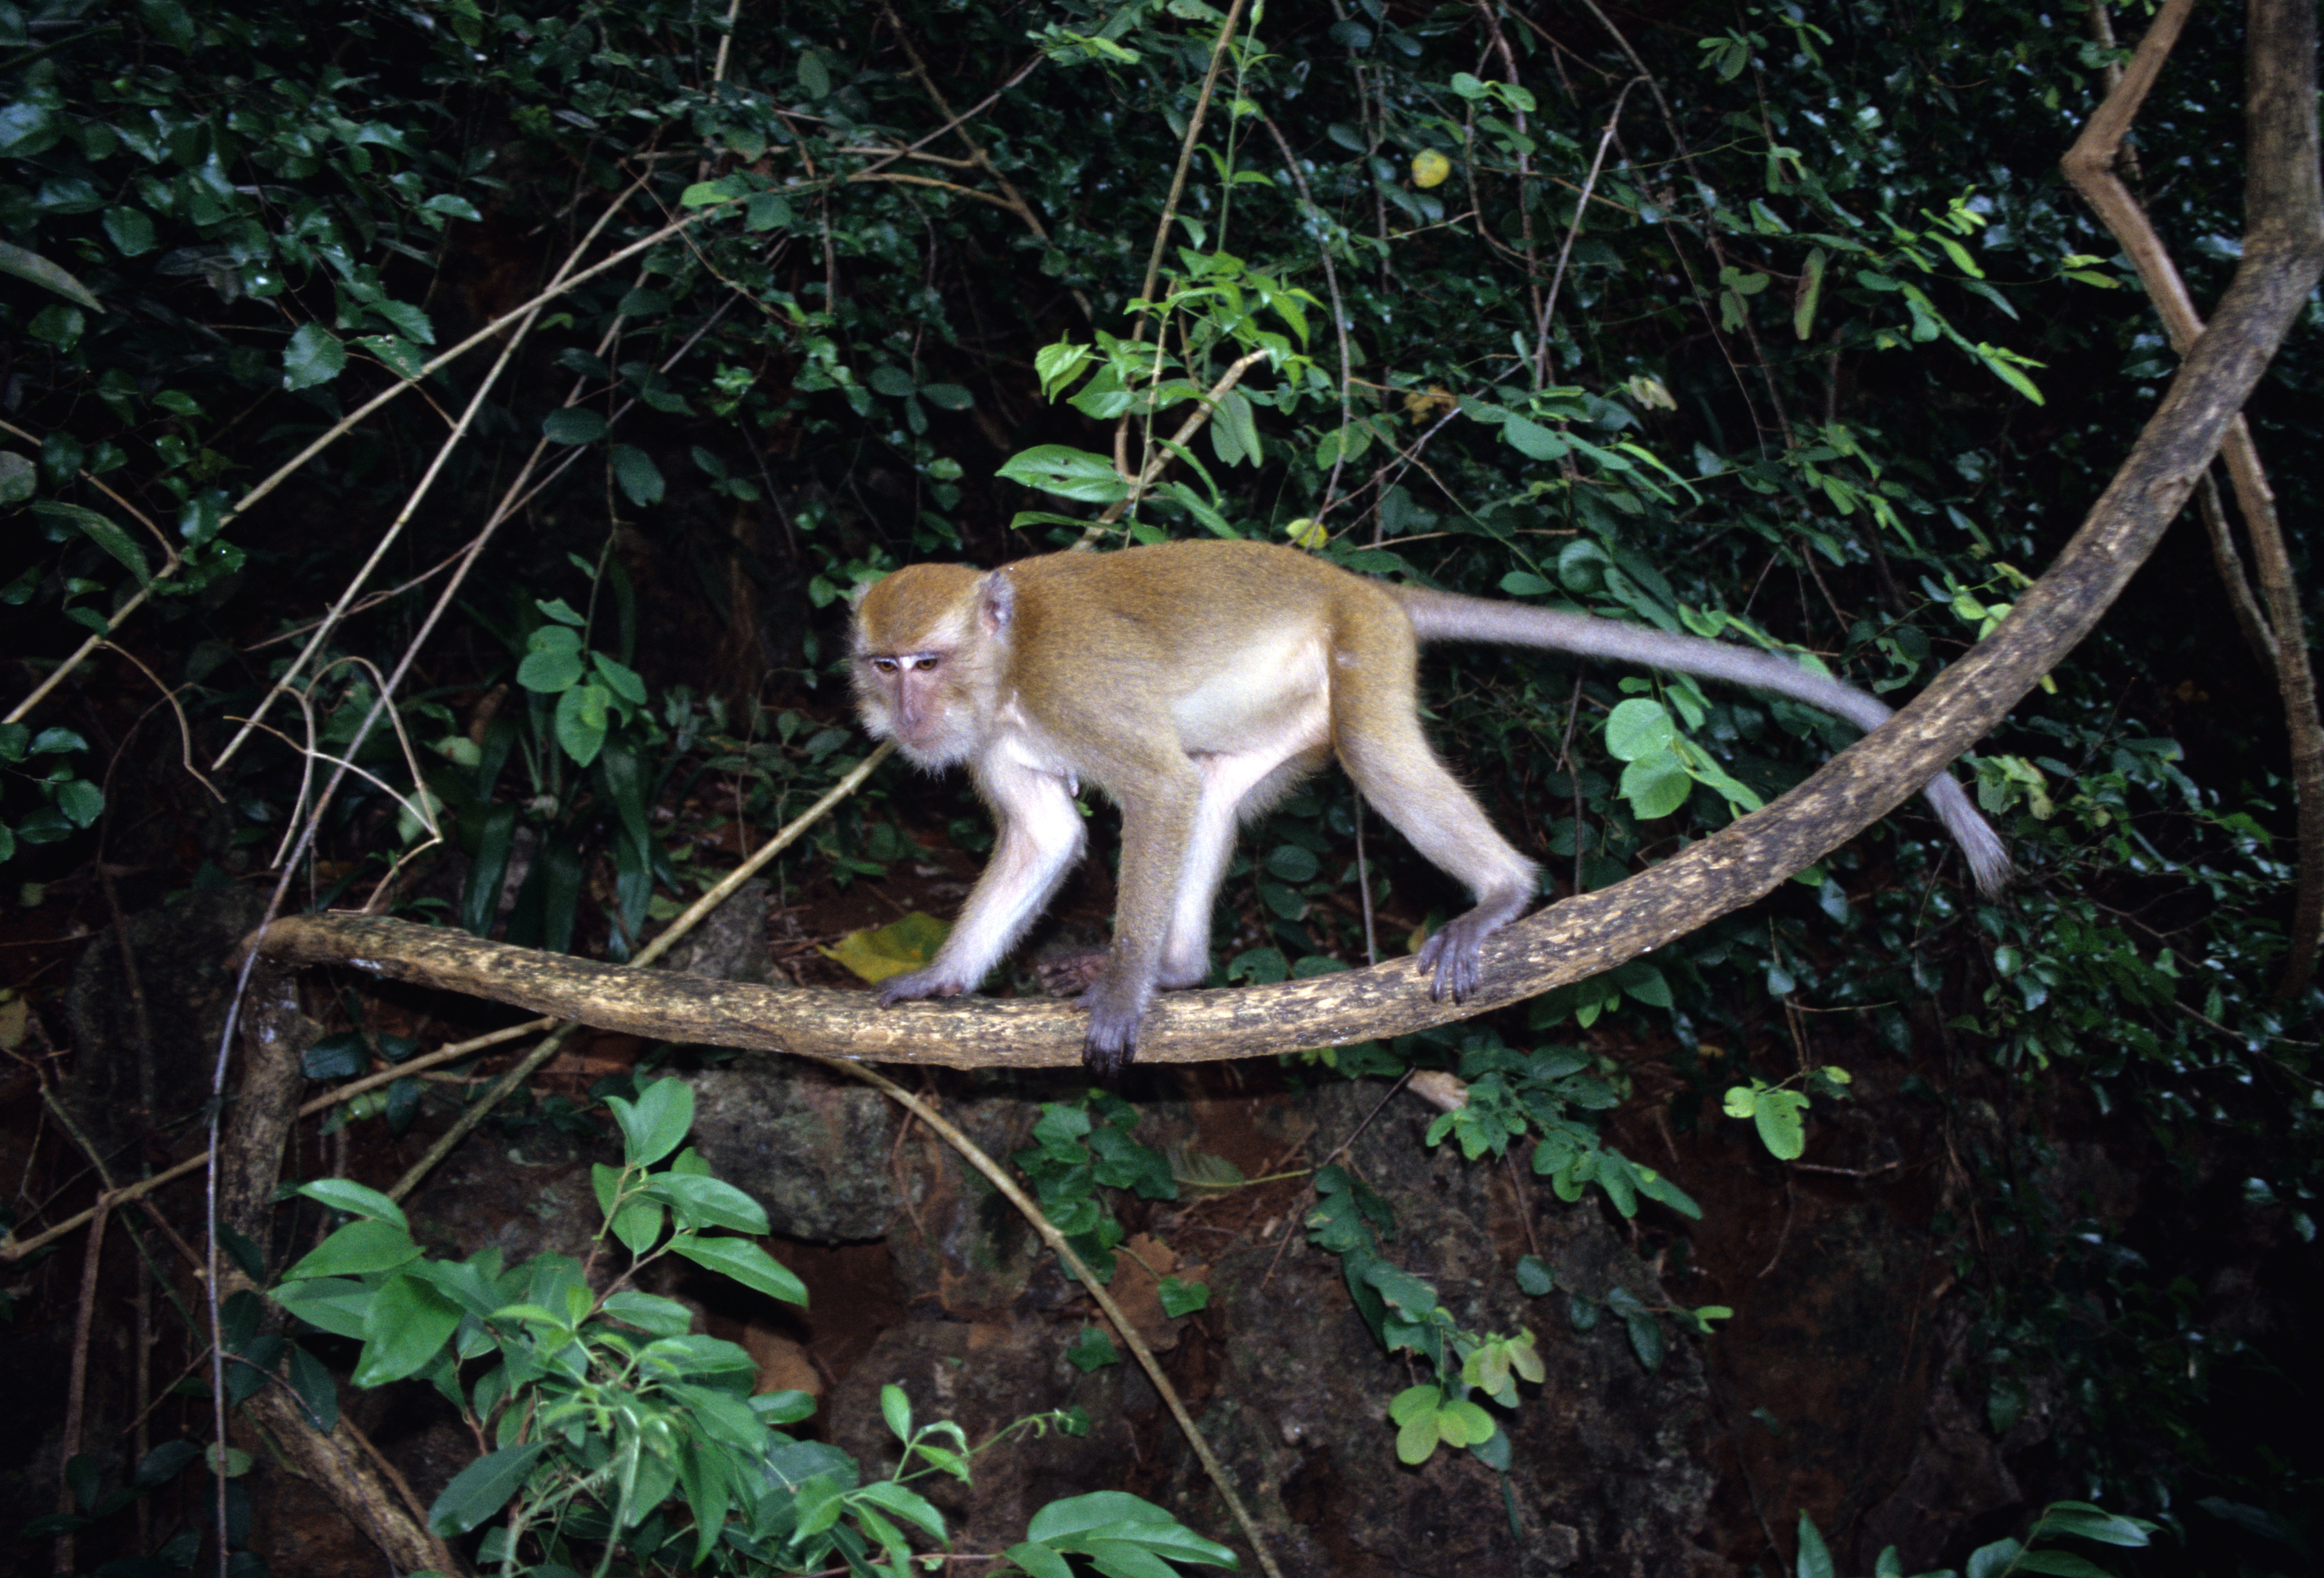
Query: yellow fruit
[[1429, 168]]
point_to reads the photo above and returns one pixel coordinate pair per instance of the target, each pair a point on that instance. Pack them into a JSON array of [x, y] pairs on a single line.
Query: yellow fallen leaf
[[879, 952]]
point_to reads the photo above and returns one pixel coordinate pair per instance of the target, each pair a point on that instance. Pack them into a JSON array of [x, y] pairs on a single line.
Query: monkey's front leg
[[1157, 831], [1040, 836]]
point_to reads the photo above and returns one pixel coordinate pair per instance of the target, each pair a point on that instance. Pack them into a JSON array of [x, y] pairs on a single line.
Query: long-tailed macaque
[[1195, 683]]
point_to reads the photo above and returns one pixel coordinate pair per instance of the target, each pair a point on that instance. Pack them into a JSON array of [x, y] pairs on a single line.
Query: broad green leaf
[[131, 231], [356, 1249], [641, 479], [573, 424], [655, 1124], [1782, 1129], [1068, 472], [707, 1202], [582, 719], [2064, 1564], [2094, 1523], [1535, 441], [745, 1262], [1039, 1561], [1638, 727], [40, 271], [410, 321], [101, 531], [354, 1199], [1655, 785], [480, 1491], [400, 355], [313, 356], [408, 1324], [337, 1304]]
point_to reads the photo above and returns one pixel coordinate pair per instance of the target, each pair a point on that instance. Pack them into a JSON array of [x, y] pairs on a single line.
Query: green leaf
[[32, 266], [2063, 1563], [452, 207], [1093, 1350], [582, 720], [707, 1202], [745, 1262], [1181, 1297], [482, 1489], [407, 320], [336, 1305], [1815, 1558], [814, 76], [1068, 472], [896, 1410], [313, 356], [1811, 292], [103, 532], [131, 231], [1638, 727], [401, 357], [1782, 1127], [2094, 1523], [1655, 785], [550, 671], [1534, 440], [356, 1249], [408, 1326], [573, 424], [345, 1194], [906, 1504], [655, 1124], [1645, 1339], [1039, 1561], [640, 478]]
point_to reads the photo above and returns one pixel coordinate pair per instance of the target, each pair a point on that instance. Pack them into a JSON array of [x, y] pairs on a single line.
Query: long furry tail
[[1438, 616]]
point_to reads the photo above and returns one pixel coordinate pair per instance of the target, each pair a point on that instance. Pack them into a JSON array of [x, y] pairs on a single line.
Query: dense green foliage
[[1770, 321]]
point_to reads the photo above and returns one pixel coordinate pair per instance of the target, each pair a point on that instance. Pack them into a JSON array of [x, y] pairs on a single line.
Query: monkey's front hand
[[1115, 1008], [931, 982]]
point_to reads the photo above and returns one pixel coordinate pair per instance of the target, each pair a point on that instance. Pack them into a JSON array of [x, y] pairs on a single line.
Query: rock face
[[1607, 1474]]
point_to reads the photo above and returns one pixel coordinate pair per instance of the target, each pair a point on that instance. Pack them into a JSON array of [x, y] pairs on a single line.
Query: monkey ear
[[996, 601]]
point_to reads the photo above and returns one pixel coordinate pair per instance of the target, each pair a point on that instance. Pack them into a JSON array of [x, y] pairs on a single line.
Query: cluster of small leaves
[[614, 1425], [1078, 1149], [2005, 1558], [1350, 1219], [1512, 1093], [1779, 1111]]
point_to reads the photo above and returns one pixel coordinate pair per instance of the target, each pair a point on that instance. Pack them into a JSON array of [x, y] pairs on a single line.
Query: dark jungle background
[[1774, 321]]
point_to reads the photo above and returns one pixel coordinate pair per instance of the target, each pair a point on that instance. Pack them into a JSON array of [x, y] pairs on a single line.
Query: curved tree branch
[[2284, 252], [2280, 637]]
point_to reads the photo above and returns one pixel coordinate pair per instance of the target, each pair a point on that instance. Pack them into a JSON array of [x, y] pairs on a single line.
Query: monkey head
[[930, 642]]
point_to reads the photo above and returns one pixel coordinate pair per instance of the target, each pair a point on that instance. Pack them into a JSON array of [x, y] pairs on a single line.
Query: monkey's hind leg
[[1385, 752]]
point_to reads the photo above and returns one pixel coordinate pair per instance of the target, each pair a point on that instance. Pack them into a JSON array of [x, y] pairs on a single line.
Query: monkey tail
[[1440, 616]]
